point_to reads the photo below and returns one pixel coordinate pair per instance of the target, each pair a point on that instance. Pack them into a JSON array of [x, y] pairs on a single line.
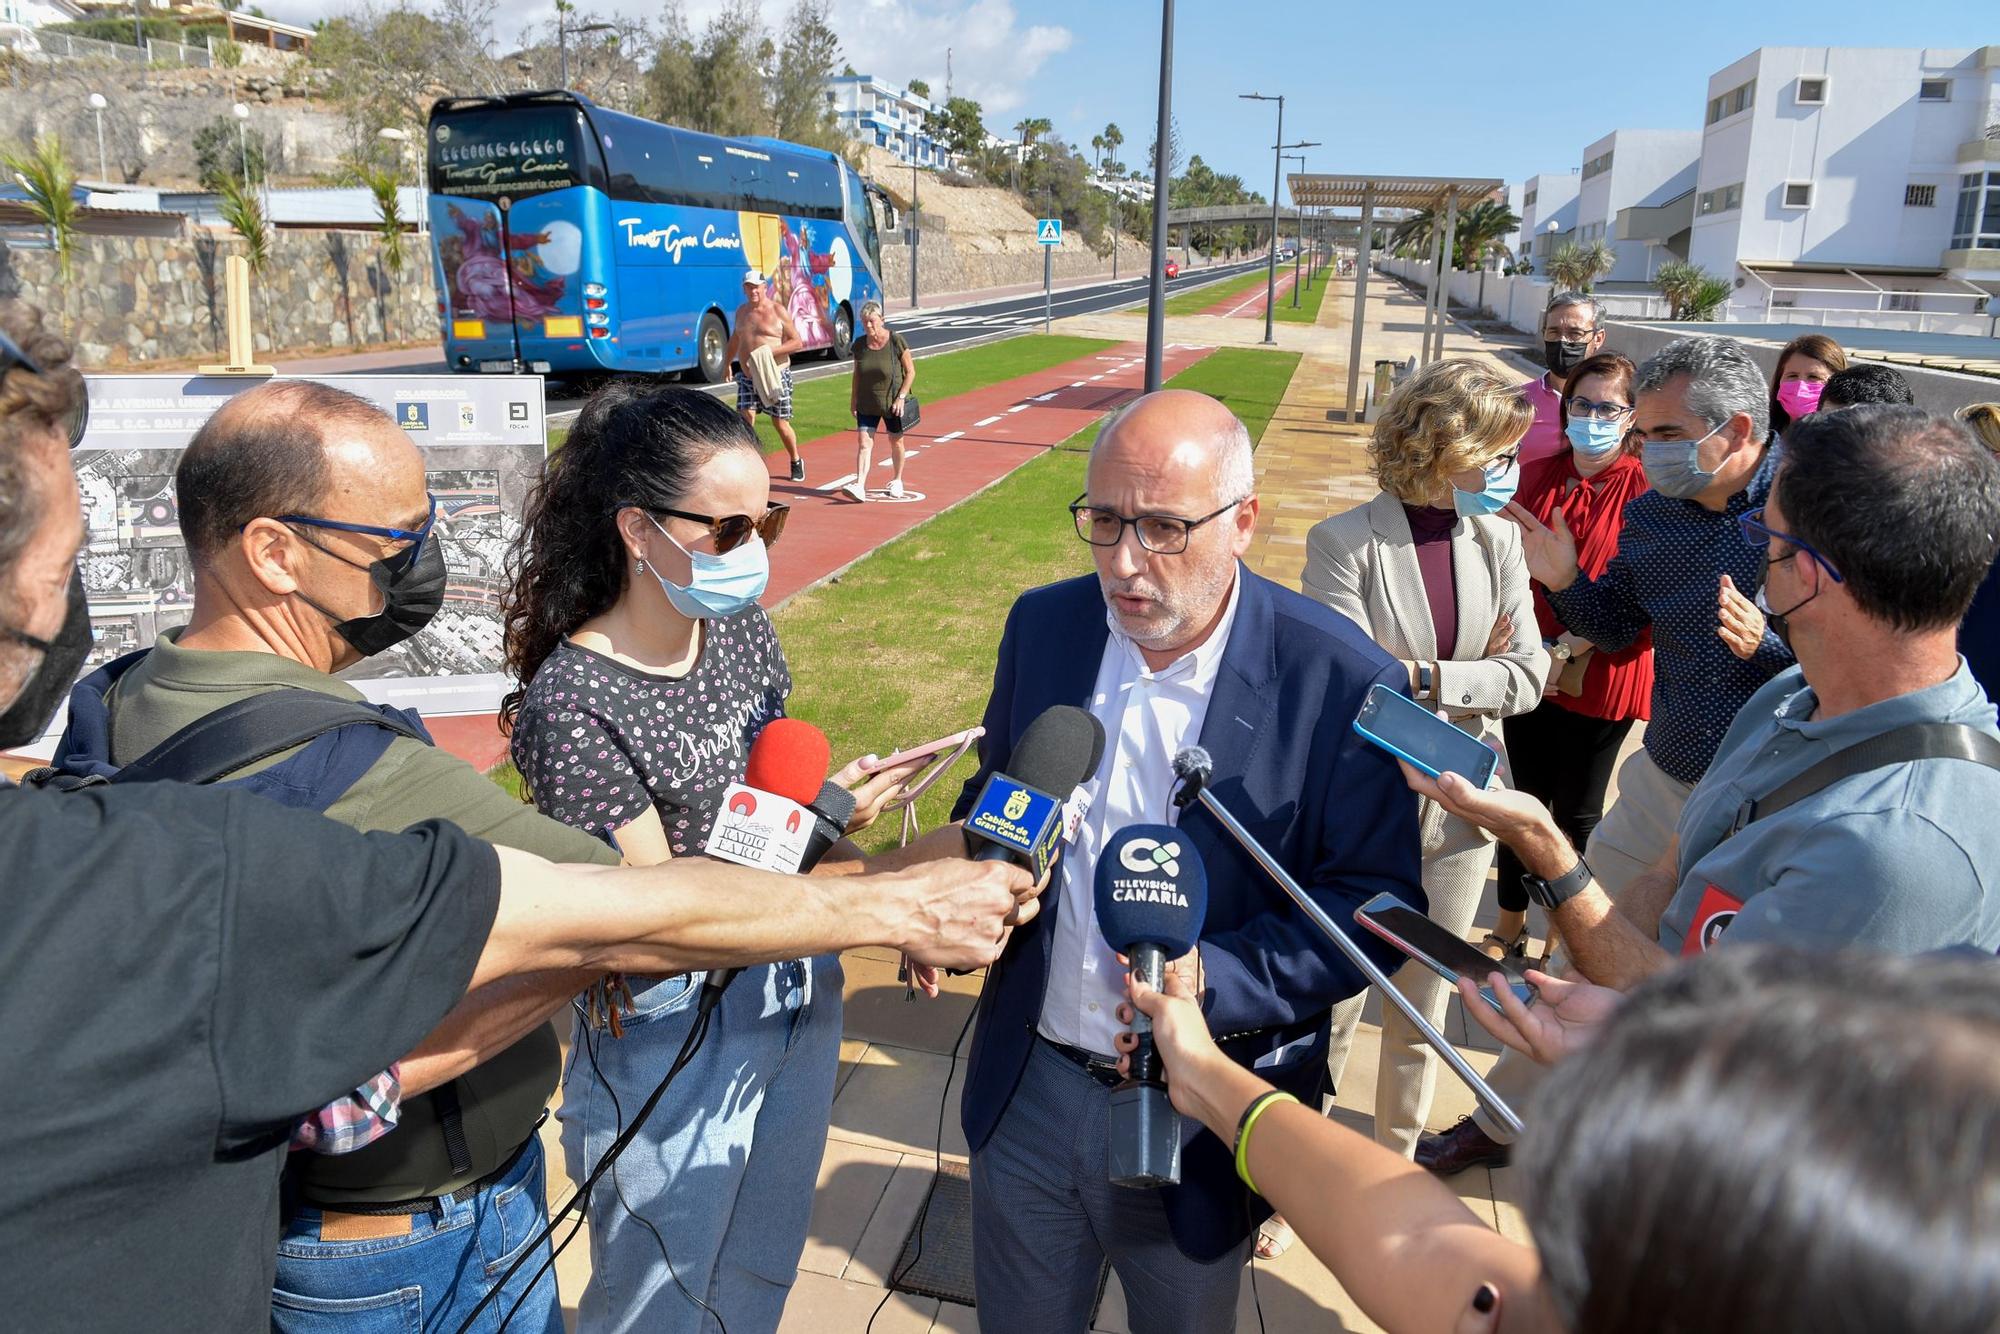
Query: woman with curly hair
[[646, 670], [1435, 576]]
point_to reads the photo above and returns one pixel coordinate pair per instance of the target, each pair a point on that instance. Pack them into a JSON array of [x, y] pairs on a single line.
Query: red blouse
[[1615, 685]]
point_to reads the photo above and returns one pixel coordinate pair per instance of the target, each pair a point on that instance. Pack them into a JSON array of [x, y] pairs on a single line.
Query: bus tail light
[[595, 289], [598, 321], [599, 331], [594, 303]]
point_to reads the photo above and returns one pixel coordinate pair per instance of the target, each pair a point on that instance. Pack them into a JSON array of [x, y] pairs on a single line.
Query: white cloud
[[994, 55]]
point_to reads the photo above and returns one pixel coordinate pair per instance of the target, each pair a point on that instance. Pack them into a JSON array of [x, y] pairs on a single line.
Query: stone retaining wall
[[133, 300], [942, 267]]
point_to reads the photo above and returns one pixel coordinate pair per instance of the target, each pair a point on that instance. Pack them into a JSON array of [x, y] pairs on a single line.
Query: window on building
[[1720, 200], [1904, 301], [1528, 199], [1798, 194], [1733, 102], [1976, 225], [1934, 90], [1920, 196], [1597, 166], [1810, 92]]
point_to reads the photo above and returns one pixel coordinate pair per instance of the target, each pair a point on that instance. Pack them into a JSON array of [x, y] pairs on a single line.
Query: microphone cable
[[579, 1199]]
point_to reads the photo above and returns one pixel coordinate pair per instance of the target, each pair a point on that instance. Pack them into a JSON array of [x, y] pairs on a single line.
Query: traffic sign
[[1048, 231]]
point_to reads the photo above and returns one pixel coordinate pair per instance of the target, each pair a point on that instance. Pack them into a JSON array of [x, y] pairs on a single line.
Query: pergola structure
[[1440, 194]]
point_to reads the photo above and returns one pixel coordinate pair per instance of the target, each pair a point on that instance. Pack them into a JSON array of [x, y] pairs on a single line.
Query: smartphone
[[944, 743], [1407, 729], [1438, 949]]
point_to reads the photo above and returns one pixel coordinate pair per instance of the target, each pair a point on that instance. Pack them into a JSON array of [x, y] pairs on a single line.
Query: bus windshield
[[484, 154]]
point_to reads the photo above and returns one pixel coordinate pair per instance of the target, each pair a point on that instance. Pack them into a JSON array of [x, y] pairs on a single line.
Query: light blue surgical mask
[[1502, 480], [717, 585], [1593, 438], [1673, 467]]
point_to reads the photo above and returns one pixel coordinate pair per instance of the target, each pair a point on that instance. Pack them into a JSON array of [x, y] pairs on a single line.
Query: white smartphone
[[937, 747], [1439, 950]]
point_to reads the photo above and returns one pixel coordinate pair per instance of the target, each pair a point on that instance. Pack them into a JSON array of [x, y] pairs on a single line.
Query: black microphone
[[1018, 816], [1152, 896]]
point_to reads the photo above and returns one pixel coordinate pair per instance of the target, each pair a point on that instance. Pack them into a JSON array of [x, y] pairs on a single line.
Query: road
[[924, 330]]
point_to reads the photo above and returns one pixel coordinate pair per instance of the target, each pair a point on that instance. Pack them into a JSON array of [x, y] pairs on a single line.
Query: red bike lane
[[1250, 305]]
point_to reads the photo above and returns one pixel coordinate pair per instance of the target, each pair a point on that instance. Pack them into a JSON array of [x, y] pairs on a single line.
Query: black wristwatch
[[1552, 894]]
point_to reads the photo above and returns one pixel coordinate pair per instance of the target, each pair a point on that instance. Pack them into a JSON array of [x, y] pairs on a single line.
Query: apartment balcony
[[1661, 223], [1981, 151], [1980, 264]]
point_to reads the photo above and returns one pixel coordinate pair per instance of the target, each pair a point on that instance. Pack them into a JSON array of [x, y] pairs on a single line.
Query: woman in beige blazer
[[1446, 454]]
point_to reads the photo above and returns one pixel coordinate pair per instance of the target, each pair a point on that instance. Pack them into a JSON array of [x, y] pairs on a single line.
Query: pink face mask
[[1800, 397]]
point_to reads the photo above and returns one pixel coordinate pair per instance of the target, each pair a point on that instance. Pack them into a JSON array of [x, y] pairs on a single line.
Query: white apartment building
[[878, 112], [1548, 215], [1627, 183], [1852, 178]]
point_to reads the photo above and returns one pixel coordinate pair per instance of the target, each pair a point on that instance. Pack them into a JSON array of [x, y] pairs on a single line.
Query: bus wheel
[[713, 347], [843, 336]]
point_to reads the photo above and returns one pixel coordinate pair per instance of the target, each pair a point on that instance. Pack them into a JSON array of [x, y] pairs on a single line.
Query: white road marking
[[1018, 407], [986, 421], [953, 436]]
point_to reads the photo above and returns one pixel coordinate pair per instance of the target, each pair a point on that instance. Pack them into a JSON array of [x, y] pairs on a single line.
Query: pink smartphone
[[942, 744]]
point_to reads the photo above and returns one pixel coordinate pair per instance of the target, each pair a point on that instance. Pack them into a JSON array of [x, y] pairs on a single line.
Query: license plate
[[468, 328], [563, 326], [496, 367]]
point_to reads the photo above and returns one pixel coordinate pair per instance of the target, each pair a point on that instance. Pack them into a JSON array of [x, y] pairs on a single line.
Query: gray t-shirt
[[1904, 858], [598, 742]]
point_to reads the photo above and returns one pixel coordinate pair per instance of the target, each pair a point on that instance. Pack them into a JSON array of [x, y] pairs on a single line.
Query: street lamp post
[[1277, 165], [1156, 281], [242, 113], [562, 42], [1298, 229], [97, 105]]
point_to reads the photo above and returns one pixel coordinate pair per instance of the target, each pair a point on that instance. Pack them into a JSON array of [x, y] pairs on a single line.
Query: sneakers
[[895, 488], [853, 491], [1450, 1152], [798, 470]]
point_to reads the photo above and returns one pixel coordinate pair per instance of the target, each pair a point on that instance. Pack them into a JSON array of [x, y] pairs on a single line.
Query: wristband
[[1243, 1128]]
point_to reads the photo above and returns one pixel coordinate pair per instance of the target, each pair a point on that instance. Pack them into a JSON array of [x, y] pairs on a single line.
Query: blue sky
[[1450, 88]]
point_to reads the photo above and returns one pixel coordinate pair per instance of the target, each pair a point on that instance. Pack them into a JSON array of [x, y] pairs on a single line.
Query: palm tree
[[1113, 137], [243, 210], [45, 175], [1097, 147], [1677, 282], [382, 183], [1479, 233], [1575, 268]]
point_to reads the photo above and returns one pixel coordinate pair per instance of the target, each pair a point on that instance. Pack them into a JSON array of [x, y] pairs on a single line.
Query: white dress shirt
[[1148, 716]]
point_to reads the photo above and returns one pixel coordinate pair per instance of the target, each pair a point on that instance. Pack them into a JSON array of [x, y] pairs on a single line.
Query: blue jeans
[[726, 1164], [430, 1279]]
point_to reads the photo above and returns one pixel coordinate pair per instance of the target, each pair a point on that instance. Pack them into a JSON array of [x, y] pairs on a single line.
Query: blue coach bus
[[572, 239]]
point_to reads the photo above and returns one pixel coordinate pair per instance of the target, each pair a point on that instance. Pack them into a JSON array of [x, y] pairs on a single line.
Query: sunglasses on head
[[11, 355], [732, 530]]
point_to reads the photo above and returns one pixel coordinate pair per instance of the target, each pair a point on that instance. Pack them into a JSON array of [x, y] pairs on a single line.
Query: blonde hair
[[1983, 420], [1448, 417]]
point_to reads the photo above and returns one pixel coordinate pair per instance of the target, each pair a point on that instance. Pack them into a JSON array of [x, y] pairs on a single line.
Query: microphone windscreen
[[835, 804], [789, 758], [1151, 890], [1193, 761], [1059, 750]]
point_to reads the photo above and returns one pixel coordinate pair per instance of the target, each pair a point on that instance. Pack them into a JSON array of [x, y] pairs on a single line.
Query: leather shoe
[[1450, 1152]]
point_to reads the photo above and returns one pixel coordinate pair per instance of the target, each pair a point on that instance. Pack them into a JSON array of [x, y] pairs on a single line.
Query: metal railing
[[64, 46]]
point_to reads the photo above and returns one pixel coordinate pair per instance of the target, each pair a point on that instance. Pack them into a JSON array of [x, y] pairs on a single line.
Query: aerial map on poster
[[483, 440]]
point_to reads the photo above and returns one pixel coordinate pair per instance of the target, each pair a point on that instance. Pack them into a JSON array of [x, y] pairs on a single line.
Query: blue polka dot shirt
[[1671, 557]]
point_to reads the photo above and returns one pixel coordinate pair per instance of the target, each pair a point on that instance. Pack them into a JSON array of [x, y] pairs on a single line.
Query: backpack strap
[[240, 734], [1903, 745]]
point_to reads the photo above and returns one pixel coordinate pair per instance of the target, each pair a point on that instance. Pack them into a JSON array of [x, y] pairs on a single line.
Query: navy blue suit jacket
[[1332, 809]]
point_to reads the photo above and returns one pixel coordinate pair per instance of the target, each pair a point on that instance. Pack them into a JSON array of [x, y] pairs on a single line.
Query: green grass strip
[[1309, 299]]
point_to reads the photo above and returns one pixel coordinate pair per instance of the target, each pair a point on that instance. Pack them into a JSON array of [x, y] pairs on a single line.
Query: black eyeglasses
[[1161, 534], [11, 356], [730, 531]]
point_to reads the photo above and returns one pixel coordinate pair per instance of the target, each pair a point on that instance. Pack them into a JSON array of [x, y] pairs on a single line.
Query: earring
[[639, 565]]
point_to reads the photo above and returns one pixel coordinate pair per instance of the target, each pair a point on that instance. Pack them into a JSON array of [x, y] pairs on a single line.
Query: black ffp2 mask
[[1564, 357], [62, 658], [412, 594]]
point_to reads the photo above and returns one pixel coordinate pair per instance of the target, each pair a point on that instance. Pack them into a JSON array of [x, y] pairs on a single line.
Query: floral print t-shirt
[[597, 741]]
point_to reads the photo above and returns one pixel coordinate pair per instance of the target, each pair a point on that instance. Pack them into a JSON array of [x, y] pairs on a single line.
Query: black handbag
[[912, 414]]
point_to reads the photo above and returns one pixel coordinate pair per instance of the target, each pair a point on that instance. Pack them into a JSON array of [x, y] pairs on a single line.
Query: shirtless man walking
[[762, 322]]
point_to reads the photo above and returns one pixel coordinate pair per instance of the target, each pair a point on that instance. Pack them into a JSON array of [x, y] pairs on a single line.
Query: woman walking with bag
[[884, 375]]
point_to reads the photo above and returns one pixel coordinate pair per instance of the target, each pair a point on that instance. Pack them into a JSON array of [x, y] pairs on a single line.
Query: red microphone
[[789, 758]]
